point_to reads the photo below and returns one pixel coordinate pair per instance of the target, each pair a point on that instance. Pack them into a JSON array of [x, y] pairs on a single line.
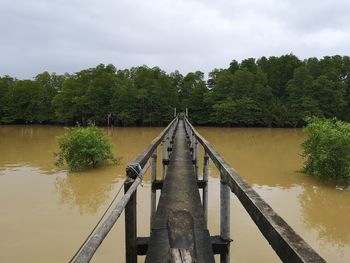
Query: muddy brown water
[[46, 212]]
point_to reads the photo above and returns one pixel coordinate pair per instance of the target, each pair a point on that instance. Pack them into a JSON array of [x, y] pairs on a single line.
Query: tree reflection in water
[[88, 190], [327, 210]]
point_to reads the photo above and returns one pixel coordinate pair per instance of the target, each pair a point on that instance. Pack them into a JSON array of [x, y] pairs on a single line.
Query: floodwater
[[46, 212]]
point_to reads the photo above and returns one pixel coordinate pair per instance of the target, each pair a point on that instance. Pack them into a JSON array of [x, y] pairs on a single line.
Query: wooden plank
[[179, 192], [158, 184], [219, 246], [181, 255], [181, 237]]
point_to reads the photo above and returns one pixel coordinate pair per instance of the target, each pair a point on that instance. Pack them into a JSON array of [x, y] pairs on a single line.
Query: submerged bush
[[327, 149], [83, 148]]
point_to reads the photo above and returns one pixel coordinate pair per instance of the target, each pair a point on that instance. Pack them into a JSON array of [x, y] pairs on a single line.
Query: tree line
[[265, 92]]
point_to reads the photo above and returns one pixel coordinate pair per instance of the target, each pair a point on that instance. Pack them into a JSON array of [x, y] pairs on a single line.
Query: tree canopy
[[275, 91]]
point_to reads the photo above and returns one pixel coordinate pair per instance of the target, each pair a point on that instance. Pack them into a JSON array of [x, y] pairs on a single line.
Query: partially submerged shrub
[[327, 149], [83, 147]]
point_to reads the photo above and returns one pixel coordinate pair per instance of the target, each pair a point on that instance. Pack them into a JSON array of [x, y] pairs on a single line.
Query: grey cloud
[[64, 35]]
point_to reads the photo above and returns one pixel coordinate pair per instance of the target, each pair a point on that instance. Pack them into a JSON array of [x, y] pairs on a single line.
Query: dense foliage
[[84, 147], [275, 91], [327, 149]]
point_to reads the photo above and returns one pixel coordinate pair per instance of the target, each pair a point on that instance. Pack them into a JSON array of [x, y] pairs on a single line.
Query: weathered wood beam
[[158, 184], [130, 225], [142, 245], [219, 246]]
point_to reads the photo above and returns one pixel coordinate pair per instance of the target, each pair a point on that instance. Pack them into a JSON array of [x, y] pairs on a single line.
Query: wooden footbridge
[[179, 230]]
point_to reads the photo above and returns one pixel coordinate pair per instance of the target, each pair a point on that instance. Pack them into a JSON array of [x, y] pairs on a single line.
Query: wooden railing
[[288, 245], [128, 201]]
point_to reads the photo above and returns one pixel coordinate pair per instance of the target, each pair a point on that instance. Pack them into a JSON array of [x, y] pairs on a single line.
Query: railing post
[[130, 225], [195, 156], [163, 159], [153, 189], [205, 189], [168, 146], [191, 138], [225, 218]]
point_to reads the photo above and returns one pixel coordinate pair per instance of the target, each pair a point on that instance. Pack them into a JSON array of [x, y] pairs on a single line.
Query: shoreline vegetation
[[265, 92]]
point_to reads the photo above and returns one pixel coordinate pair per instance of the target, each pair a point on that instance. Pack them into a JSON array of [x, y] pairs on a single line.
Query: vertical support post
[[195, 156], [186, 112], [191, 138], [153, 189], [163, 158], [168, 146], [224, 217], [174, 112], [130, 225], [205, 189]]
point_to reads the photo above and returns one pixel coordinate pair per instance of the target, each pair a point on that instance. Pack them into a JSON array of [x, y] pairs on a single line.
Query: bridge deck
[[179, 192]]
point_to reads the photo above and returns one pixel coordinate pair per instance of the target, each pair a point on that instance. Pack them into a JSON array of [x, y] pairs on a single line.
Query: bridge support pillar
[[225, 218], [205, 188], [163, 158], [130, 225], [195, 156], [153, 189]]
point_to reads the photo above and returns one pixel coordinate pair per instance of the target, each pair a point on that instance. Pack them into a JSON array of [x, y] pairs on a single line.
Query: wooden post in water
[[153, 189], [205, 189], [225, 218], [130, 225]]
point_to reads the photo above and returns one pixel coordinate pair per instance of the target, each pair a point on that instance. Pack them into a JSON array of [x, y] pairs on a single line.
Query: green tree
[[279, 70], [82, 148], [301, 97], [327, 149], [49, 86], [6, 102], [224, 111]]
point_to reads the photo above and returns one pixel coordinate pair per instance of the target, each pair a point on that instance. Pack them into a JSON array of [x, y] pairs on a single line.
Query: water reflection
[[269, 160], [87, 191], [327, 210], [264, 156], [29, 145]]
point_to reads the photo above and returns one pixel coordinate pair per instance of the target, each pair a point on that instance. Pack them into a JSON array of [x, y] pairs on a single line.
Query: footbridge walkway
[[178, 230]]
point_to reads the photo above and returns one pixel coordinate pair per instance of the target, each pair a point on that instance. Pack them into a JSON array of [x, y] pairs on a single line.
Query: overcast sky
[[70, 35]]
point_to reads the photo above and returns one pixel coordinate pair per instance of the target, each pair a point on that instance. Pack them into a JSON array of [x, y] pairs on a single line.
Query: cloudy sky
[[70, 35]]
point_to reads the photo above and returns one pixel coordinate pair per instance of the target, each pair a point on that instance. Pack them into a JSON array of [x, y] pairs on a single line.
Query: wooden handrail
[[147, 153], [95, 241], [288, 245]]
